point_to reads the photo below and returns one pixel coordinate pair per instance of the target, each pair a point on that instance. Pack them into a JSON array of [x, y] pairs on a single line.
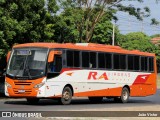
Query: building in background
[[155, 40]]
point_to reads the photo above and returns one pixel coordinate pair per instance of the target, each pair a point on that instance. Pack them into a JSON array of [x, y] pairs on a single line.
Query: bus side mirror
[[8, 55], [51, 56]]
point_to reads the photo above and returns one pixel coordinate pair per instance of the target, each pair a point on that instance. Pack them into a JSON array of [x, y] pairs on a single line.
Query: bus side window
[[101, 60], [93, 59], [70, 56], [136, 63], [116, 61], [130, 62], [144, 65], [108, 59], [51, 67], [76, 59], [56, 65], [151, 67], [122, 62], [73, 58], [85, 59]]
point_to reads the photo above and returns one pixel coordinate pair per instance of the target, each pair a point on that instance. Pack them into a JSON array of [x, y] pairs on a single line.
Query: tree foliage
[[88, 13], [139, 41], [67, 31], [25, 21], [61, 21], [103, 32], [156, 35]]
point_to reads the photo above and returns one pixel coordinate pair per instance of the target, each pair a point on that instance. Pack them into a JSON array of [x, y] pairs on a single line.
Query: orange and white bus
[[63, 71]]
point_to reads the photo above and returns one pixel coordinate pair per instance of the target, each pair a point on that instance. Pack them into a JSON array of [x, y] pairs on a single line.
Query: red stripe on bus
[[69, 69], [141, 79]]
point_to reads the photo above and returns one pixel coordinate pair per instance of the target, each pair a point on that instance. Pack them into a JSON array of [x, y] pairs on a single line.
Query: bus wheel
[[32, 101], [95, 99], [66, 96], [124, 96]]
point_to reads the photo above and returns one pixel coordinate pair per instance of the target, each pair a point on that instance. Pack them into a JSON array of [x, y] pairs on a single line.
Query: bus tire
[[95, 99], [124, 96], [32, 101], [66, 96]]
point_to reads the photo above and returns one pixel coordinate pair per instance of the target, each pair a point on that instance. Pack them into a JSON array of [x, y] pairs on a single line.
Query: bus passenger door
[[53, 71]]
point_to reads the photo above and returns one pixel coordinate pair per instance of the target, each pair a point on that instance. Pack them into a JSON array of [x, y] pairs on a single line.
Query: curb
[[10, 99]]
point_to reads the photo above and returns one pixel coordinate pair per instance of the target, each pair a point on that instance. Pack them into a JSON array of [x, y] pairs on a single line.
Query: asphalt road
[[108, 108], [82, 104]]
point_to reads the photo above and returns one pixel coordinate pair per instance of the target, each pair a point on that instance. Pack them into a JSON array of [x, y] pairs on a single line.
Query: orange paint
[[90, 47], [103, 92], [94, 76], [103, 76], [69, 74], [8, 55], [27, 85], [137, 89]]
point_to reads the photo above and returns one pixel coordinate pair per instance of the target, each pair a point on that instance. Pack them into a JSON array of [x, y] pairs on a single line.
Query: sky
[[127, 23]]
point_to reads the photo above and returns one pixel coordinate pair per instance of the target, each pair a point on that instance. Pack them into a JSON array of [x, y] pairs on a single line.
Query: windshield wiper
[[27, 69], [16, 75]]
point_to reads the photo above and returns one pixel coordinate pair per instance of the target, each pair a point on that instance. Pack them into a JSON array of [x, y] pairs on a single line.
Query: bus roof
[[86, 46]]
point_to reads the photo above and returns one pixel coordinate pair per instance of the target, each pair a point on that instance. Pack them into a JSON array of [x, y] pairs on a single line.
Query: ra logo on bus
[[95, 76]]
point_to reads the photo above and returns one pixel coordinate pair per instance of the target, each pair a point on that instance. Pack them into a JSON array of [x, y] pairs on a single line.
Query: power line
[[131, 22], [124, 20], [124, 17], [145, 30]]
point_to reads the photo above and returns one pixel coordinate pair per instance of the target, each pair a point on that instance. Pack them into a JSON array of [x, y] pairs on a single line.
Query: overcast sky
[[128, 23]]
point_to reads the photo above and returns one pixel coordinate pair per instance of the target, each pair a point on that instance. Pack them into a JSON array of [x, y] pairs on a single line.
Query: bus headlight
[[8, 85], [39, 85]]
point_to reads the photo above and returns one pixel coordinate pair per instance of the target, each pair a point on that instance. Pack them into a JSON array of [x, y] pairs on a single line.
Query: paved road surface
[[150, 103]]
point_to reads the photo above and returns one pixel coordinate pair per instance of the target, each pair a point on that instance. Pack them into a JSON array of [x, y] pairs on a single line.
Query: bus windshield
[[27, 62]]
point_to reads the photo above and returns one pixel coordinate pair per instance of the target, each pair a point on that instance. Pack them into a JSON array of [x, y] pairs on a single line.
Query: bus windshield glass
[[27, 62]]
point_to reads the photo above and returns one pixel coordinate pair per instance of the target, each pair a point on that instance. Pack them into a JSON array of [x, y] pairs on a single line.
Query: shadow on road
[[46, 102]]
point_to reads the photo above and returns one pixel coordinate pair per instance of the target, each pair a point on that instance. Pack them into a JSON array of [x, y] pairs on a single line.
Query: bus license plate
[[21, 91]]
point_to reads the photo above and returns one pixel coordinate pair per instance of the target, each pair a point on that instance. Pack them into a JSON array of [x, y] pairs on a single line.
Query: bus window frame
[[152, 62], [112, 63]]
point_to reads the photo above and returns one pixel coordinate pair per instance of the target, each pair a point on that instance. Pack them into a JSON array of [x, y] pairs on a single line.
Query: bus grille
[[27, 92], [23, 83]]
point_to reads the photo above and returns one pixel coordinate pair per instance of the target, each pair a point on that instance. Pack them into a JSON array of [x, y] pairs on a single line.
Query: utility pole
[[129, 23], [113, 35], [142, 26]]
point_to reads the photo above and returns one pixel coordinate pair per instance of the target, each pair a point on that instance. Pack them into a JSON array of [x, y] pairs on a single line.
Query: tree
[[88, 13], [67, 31], [137, 40], [154, 22], [26, 21], [104, 30], [156, 35]]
